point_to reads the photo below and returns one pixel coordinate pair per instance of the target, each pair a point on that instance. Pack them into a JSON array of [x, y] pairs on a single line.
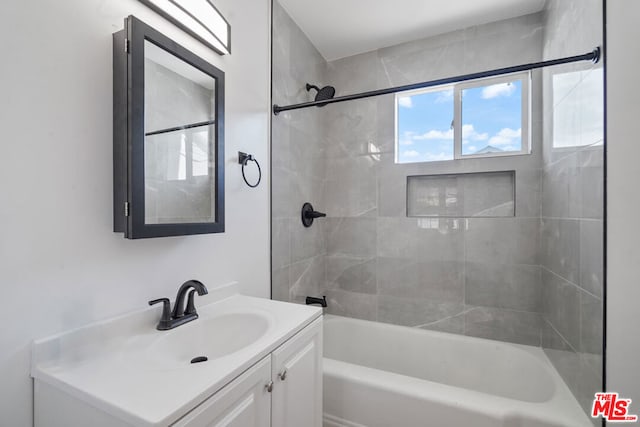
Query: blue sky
[[491, 116]]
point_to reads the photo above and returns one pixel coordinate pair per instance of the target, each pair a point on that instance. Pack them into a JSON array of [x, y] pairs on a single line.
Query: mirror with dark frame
[[168, 137]]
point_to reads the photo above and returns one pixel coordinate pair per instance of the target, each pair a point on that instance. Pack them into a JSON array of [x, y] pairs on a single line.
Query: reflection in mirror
[[179, 140]]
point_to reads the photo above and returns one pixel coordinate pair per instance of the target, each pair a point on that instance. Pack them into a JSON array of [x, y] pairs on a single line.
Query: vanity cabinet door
[[297, 378], [245, 402]]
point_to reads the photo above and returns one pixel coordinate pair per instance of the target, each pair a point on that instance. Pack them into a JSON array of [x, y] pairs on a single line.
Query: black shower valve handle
[[308, 214], [314, 214]]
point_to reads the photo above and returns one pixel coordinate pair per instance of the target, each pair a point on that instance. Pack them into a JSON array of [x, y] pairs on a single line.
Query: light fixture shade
[[199, 18]]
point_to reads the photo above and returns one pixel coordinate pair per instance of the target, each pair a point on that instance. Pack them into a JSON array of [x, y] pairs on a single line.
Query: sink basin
[[210, 337]]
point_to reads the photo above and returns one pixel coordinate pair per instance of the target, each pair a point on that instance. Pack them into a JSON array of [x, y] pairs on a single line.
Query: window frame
[[525, 136]]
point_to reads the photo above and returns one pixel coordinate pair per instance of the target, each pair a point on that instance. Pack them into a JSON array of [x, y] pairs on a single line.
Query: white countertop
[[104, 363]]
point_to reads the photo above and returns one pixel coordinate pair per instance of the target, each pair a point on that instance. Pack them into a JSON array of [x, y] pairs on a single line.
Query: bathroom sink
[[208, 337], [129, 369]]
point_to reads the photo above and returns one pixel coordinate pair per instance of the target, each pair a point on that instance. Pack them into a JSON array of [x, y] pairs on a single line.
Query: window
[[479, 118]]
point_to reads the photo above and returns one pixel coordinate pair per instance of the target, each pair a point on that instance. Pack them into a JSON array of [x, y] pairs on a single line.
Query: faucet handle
[[191, 307], [165, 319]]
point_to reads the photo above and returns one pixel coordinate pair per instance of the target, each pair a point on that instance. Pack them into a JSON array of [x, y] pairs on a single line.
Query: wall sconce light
[[199, 18]]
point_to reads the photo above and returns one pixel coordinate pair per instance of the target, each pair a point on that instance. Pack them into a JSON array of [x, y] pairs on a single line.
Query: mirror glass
[[180, 140]]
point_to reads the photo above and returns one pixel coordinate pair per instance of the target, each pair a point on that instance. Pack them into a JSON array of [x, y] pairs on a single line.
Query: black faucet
[[179, 315], [314, 300]]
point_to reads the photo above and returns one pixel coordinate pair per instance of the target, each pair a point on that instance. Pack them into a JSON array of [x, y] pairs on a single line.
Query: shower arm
[[593, 56]]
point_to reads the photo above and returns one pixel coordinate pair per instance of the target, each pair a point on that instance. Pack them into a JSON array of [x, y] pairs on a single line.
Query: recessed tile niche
[[479, 194]]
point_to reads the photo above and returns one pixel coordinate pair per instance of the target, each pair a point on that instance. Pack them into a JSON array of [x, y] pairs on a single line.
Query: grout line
[[580, 288], [465, 311], [570, 151], [561, 336]]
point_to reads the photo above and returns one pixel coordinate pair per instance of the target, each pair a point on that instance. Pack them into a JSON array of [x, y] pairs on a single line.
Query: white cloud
[[470, 134], [444, 96], [501, 89], [407, 138], [410, 153], [405, 101], [505, 138], [435, 134]]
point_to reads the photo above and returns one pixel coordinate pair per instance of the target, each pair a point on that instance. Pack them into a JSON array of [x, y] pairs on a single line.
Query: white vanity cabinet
[[297, 376], [245, 402], [282, 390]]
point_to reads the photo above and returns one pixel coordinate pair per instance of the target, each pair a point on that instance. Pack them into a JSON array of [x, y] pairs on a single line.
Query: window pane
[[492, 118], [425, 133]]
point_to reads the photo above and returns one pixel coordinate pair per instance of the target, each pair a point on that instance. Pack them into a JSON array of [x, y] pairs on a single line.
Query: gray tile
[[351, 236], [352, 304], [391, 188], [482, 194], [489, 194], [519, 327], [528, 30], [433, 280], [528, 192], [414, 311], [502, 240], [509, 286], [280, 145], [385, 124], [280, 243], [349, 273], [591, 256], [307, 154], [561, 303], [307, 278], [560, 193], [452, 325], [592, 182], [560, 247], [351, 127], [283, 205], [351, 187], [551, 339], [435, 195], [591, 316], [306, 242], [426, 239], [280, 284], [421, 60], [355, 73], [565, 360], [576, 371]]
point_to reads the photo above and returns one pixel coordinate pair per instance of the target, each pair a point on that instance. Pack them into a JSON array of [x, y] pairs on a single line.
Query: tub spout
[[314, 300]]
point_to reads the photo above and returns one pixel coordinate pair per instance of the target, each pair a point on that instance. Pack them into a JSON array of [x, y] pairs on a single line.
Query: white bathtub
[[380, 375]]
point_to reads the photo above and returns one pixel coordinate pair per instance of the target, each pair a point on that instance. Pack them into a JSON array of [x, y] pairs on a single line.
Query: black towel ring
[[243, 159]]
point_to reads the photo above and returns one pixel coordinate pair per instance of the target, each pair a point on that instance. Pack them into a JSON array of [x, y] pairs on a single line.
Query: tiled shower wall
[[572, 198], [298, 165], [487, 277], [475, 276]]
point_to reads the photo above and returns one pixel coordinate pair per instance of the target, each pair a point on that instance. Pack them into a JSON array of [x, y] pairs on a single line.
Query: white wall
[[60, 264], [623, 178]]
